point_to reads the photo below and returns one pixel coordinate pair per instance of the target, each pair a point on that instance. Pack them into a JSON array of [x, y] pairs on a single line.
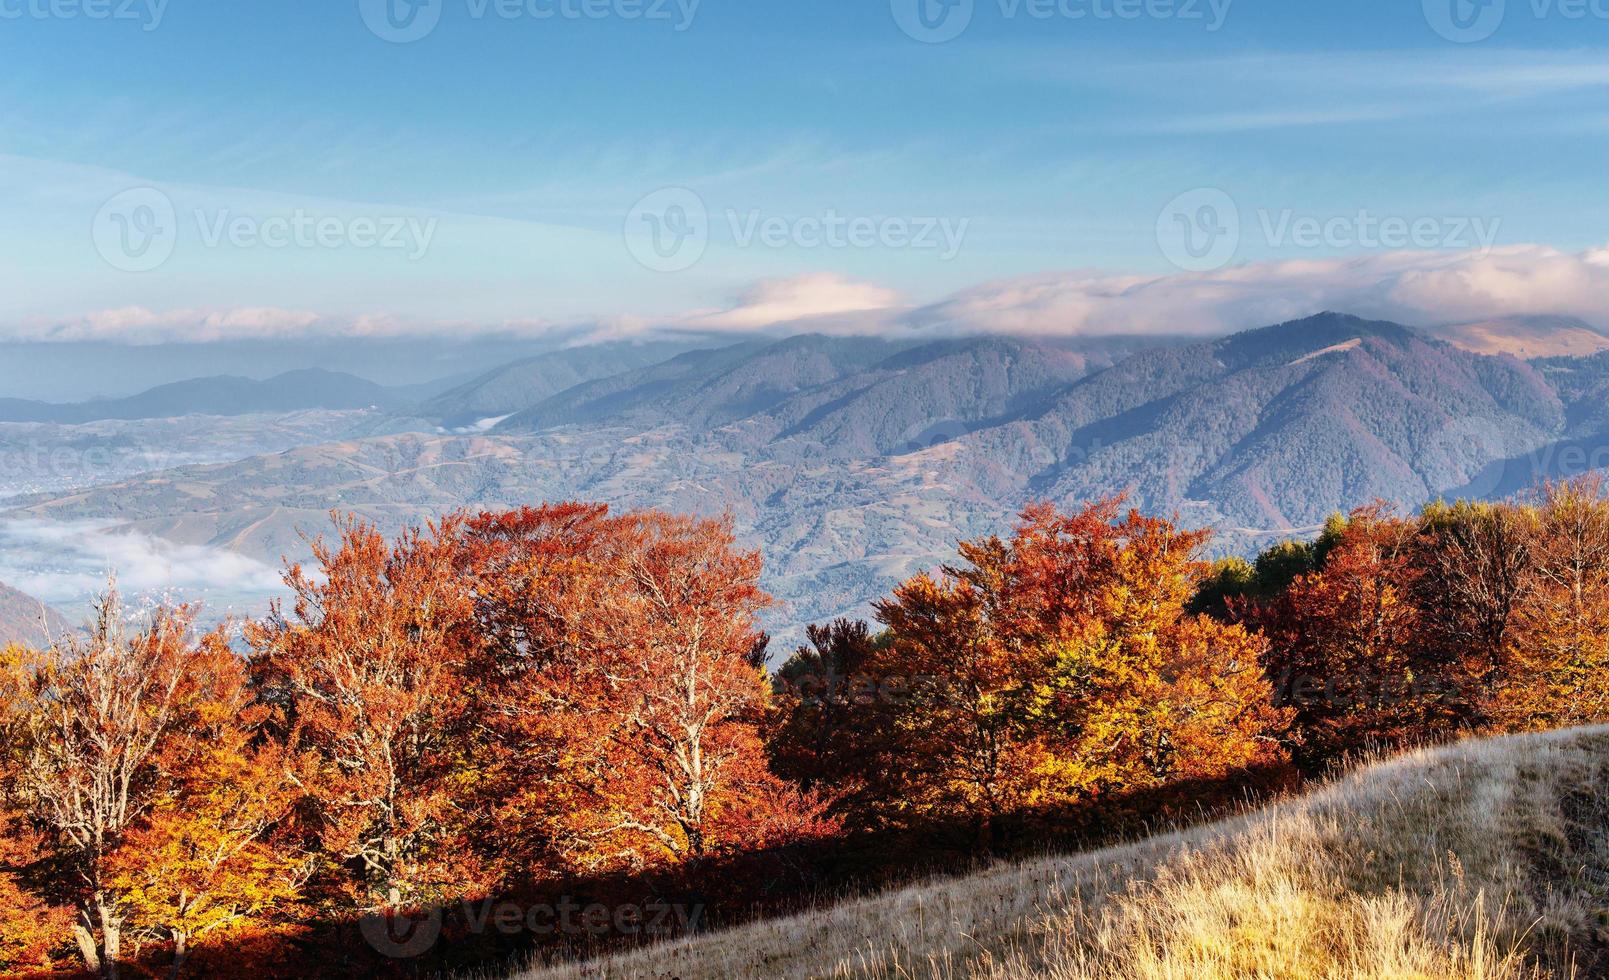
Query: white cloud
[[1423, 288], [769, 302], [146, 326], [67, 563], [777, 301]]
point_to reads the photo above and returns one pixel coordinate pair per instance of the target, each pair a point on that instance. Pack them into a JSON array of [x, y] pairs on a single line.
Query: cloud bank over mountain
[[1426, 288], [82, 554], [1409, 287]]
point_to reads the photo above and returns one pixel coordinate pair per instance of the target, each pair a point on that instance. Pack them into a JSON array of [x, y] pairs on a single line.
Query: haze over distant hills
[[854, 461], [294, 391]]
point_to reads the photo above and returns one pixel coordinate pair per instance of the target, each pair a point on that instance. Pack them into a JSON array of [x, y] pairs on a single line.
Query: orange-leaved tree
[[31, 929], [628, 687], [1055, 668], [366, 670], [216, 855], [1349, 649]]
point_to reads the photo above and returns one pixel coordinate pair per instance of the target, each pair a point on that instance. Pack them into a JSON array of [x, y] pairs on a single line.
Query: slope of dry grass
[[1482, 860]]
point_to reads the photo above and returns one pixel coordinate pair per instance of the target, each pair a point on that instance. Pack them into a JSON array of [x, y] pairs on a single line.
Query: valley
[[851, 463]]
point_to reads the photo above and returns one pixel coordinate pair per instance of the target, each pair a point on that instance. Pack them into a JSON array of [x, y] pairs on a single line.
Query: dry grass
[[1482, 860]]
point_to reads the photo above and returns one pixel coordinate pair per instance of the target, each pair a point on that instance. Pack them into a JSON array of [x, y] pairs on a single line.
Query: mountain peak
[[1294, 340]]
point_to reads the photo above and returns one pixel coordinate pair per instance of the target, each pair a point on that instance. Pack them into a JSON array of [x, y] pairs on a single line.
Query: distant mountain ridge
[[26, 621], [1527, 337], [840, 397], [1281, 426], [853, 462], [310, 388], [493, 396]]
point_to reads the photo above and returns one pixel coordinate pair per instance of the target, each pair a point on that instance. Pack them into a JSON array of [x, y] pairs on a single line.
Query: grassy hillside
[[1481, 860]]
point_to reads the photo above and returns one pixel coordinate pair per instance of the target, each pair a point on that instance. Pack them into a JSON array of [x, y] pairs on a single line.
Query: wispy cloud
[[67, 563], [1236, 122], [1266, 91]]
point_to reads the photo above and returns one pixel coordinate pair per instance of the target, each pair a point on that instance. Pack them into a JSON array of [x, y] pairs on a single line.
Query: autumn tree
[[627, 688], [366, 669], [1348, 650], [31, 929], [124, 728], [1476, 572], [1561, 671], [215, 854], [1231, 581], [1150, 691], [826, 709], [1058, 667]]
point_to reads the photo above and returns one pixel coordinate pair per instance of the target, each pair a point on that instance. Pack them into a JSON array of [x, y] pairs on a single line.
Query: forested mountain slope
[[852, 462]]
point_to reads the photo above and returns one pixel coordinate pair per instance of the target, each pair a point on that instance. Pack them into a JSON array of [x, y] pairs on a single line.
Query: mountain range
[[225, 395], [487, 398], [852, 461]]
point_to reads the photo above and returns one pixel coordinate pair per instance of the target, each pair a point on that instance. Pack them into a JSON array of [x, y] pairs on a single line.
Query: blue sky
[[503, 154]]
